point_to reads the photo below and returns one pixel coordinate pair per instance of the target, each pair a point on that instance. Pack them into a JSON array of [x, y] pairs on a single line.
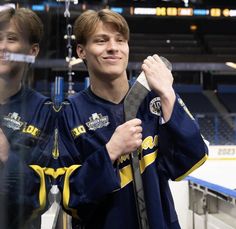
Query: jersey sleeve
[[22, 192], [86, 184], [182, 148], [24, 186], [87, 179]]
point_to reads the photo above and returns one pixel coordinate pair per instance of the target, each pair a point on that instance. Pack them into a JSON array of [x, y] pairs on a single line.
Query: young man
[[97, 188], [25, 119]]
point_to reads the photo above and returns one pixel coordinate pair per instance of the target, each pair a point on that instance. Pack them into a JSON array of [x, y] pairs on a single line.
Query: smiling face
[[106, 52], [13, 41]]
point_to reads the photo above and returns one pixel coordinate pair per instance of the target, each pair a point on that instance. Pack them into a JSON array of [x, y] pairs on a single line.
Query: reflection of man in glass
[[24, 123]]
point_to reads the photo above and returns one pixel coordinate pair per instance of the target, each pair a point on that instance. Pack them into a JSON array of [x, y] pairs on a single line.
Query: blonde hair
[[87, 22], [26, 21]]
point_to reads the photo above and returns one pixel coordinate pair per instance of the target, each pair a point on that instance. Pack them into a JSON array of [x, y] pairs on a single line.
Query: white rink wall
[[219, 169]]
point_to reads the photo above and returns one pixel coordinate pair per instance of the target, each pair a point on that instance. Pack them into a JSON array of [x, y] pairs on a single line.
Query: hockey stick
[[133, 100]]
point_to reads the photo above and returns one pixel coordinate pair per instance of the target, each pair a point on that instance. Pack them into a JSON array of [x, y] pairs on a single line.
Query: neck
[[10, 83], [113, 91], [8, 89]]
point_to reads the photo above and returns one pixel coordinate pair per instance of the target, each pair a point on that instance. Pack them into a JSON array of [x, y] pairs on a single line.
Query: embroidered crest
[[155, 106], [13, 121], [97, 121]]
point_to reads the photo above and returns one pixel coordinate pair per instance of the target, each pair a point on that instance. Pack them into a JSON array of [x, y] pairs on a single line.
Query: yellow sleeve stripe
[[126, 172], [125, 176], [147, 160], [42, 190], [66, 190], [198, 164]]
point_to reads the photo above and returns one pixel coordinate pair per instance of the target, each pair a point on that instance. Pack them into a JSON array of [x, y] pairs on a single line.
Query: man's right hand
[[4, 147], [126, 139]]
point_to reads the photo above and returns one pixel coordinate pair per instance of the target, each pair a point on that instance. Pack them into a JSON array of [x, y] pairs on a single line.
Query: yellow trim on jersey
[[198, 164], [42, 190], [55, 151], [126, 173], [65, 220], [147, 160], [56, 109], [30, 129], [66, 190], [221, 158], [55, 172], [125, 176]]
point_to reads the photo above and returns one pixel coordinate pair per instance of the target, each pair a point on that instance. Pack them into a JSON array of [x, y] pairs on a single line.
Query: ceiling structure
[[191, 43]]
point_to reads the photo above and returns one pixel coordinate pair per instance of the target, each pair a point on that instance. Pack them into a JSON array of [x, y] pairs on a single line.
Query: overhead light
[[185, 3], [7, 6], [231, 64], [74, 1]]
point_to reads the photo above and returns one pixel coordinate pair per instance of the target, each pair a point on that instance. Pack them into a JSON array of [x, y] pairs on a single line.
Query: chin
[[4, 70], [115, 70]]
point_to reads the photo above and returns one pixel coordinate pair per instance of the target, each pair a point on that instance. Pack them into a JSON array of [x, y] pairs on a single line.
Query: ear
[[34, 50], [80, 52]]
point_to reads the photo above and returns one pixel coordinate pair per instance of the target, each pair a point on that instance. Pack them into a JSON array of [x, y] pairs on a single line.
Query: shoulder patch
[[155, 106]]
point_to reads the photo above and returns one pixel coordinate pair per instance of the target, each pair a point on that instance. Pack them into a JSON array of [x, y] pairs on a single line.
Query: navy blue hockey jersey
[[26, 121], [100, 194]]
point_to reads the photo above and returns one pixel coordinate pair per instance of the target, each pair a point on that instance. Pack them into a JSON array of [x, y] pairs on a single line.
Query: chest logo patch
[[97, 121], [155, 106], [12, 121]]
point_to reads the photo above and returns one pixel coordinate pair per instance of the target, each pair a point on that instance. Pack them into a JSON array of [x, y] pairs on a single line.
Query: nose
[[112, 45], [3, 44]]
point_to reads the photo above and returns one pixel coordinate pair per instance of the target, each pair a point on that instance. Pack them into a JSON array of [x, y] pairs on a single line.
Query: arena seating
[[193, 97], [227, 95], [142, 45], [217, 129]]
